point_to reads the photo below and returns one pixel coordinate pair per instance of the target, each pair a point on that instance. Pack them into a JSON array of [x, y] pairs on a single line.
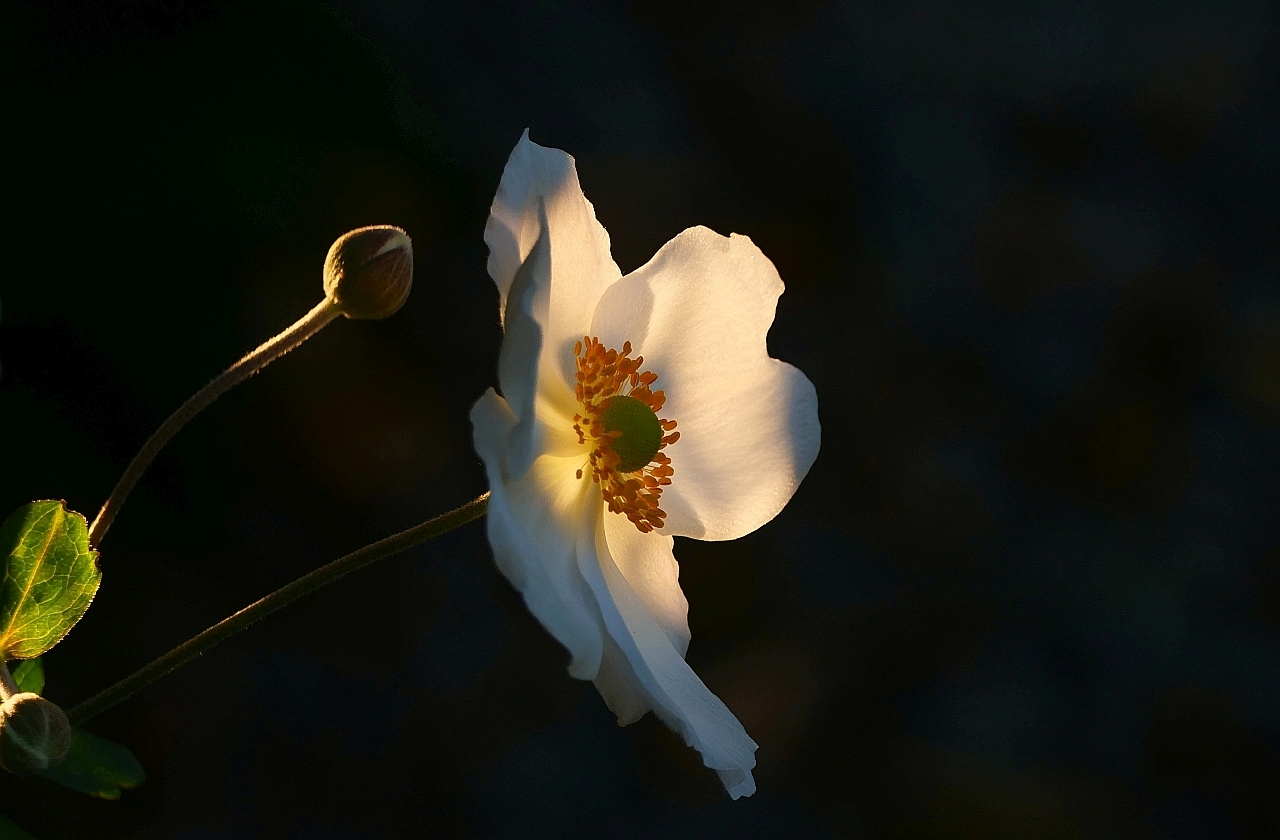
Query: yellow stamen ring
[[620, 419]]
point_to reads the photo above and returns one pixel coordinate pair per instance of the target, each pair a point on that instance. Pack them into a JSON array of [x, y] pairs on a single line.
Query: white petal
[[618, 686], [699, 312], [543, 405], [542, 527], [650, 567], [658, 675], [550, 259]]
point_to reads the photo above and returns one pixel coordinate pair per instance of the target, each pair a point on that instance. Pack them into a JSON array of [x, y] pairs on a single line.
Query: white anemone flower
[[633, 409]]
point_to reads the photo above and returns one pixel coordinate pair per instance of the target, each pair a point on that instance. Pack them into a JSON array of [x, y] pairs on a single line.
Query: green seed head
[[641, 432]]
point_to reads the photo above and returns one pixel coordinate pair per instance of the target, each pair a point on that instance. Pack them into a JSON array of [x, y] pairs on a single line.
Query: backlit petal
[[543, 407], [657, 675], [542, 528], [550, 260], [648, 564], [699, 312], [646, 561], [618, 686]]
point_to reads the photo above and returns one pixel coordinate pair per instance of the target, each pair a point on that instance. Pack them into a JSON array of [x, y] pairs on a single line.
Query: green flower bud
[[369, 271], [34, 734]]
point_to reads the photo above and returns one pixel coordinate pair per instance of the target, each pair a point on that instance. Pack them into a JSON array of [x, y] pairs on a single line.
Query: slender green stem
[[8, 686], [307, 326], [287, 594]]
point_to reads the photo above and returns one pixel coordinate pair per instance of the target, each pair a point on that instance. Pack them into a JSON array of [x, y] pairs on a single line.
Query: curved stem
[[287, 594], [307, 326]]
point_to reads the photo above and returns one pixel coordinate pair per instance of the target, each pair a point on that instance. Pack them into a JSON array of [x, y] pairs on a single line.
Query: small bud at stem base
[[34, 734]]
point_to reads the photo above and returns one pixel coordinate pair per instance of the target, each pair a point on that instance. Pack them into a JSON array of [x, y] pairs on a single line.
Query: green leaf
[[9, 830], [30, 677], [50, 577], [97, 766]]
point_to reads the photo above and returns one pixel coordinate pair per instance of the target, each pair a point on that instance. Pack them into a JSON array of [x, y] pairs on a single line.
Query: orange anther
[[602, 374]]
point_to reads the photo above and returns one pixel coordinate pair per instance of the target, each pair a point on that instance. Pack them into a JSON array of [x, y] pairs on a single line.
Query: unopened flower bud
[[369, 271], [34, 734]]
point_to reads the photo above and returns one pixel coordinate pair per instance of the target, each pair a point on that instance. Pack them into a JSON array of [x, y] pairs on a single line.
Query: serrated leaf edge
[[93, 557]]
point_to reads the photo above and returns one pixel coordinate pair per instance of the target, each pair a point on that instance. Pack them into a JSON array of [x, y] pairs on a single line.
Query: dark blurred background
[[1031, 588]]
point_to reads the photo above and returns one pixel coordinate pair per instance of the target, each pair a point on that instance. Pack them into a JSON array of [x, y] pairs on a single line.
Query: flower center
[[619, 419], [639, 431]]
